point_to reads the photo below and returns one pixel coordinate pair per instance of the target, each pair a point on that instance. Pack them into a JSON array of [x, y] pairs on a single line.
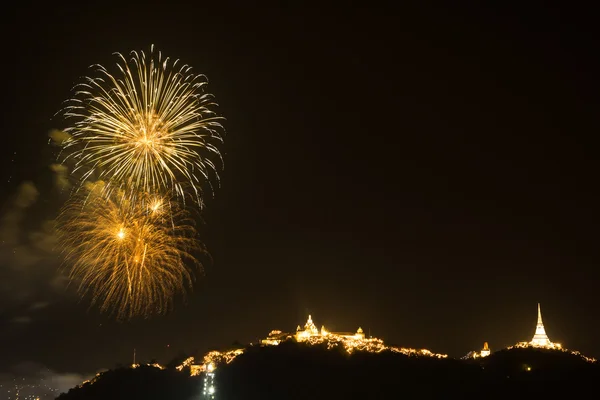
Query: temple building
[[540, 338], [478, 354], [310, 332], [485, 351], [310, 335]]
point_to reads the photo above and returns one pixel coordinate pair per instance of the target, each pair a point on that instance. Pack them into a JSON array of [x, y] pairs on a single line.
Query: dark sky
[[428, 173]]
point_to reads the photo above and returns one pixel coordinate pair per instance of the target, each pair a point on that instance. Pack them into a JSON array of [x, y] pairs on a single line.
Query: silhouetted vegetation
[[297, 371], [144, 382]]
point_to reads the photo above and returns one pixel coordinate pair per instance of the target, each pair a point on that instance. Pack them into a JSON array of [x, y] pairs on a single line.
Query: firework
[[132, 257], [148, 128]]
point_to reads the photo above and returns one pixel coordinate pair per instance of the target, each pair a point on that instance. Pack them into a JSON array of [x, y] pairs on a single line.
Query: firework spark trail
[[149, 129], [133, 257]]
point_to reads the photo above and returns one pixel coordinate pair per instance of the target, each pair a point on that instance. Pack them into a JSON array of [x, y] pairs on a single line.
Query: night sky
[[427, 173]]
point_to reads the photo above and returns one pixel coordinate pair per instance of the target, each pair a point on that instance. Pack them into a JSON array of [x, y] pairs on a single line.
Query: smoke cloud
[[61, 179], [29, 262]]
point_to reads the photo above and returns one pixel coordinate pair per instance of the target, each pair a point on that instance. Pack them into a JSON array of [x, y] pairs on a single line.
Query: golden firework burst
[[131, 256], [148, 128]]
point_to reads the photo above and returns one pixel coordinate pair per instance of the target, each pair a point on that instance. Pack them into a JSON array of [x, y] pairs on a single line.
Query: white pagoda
[[540, 339]]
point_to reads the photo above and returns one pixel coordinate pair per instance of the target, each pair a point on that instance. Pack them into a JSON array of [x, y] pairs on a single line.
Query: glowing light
[[186, 363], [156, 206], [556, 347], [351, 342], [477, 354], [541, 341], [150, 128], [139, 271]]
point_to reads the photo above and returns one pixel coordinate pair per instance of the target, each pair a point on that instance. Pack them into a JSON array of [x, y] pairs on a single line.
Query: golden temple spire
[[485, 351], [540, 338]]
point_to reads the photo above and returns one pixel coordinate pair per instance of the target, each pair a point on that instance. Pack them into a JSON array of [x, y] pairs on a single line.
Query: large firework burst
[[150, 127], [132, 256]]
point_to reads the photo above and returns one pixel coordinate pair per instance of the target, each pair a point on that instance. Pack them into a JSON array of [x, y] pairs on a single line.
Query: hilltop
[[320, 364], [299, 370], [295, 370]]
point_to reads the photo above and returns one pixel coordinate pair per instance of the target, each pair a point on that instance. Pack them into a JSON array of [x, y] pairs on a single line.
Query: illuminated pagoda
[[311, 334], [540, 338], [485, 351], [479, 354], [349, 341], [310, 331]]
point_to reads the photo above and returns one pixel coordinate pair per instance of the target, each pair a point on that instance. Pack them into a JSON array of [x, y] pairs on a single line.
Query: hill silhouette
[[143, 382], [300, 371], [294, 371]]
